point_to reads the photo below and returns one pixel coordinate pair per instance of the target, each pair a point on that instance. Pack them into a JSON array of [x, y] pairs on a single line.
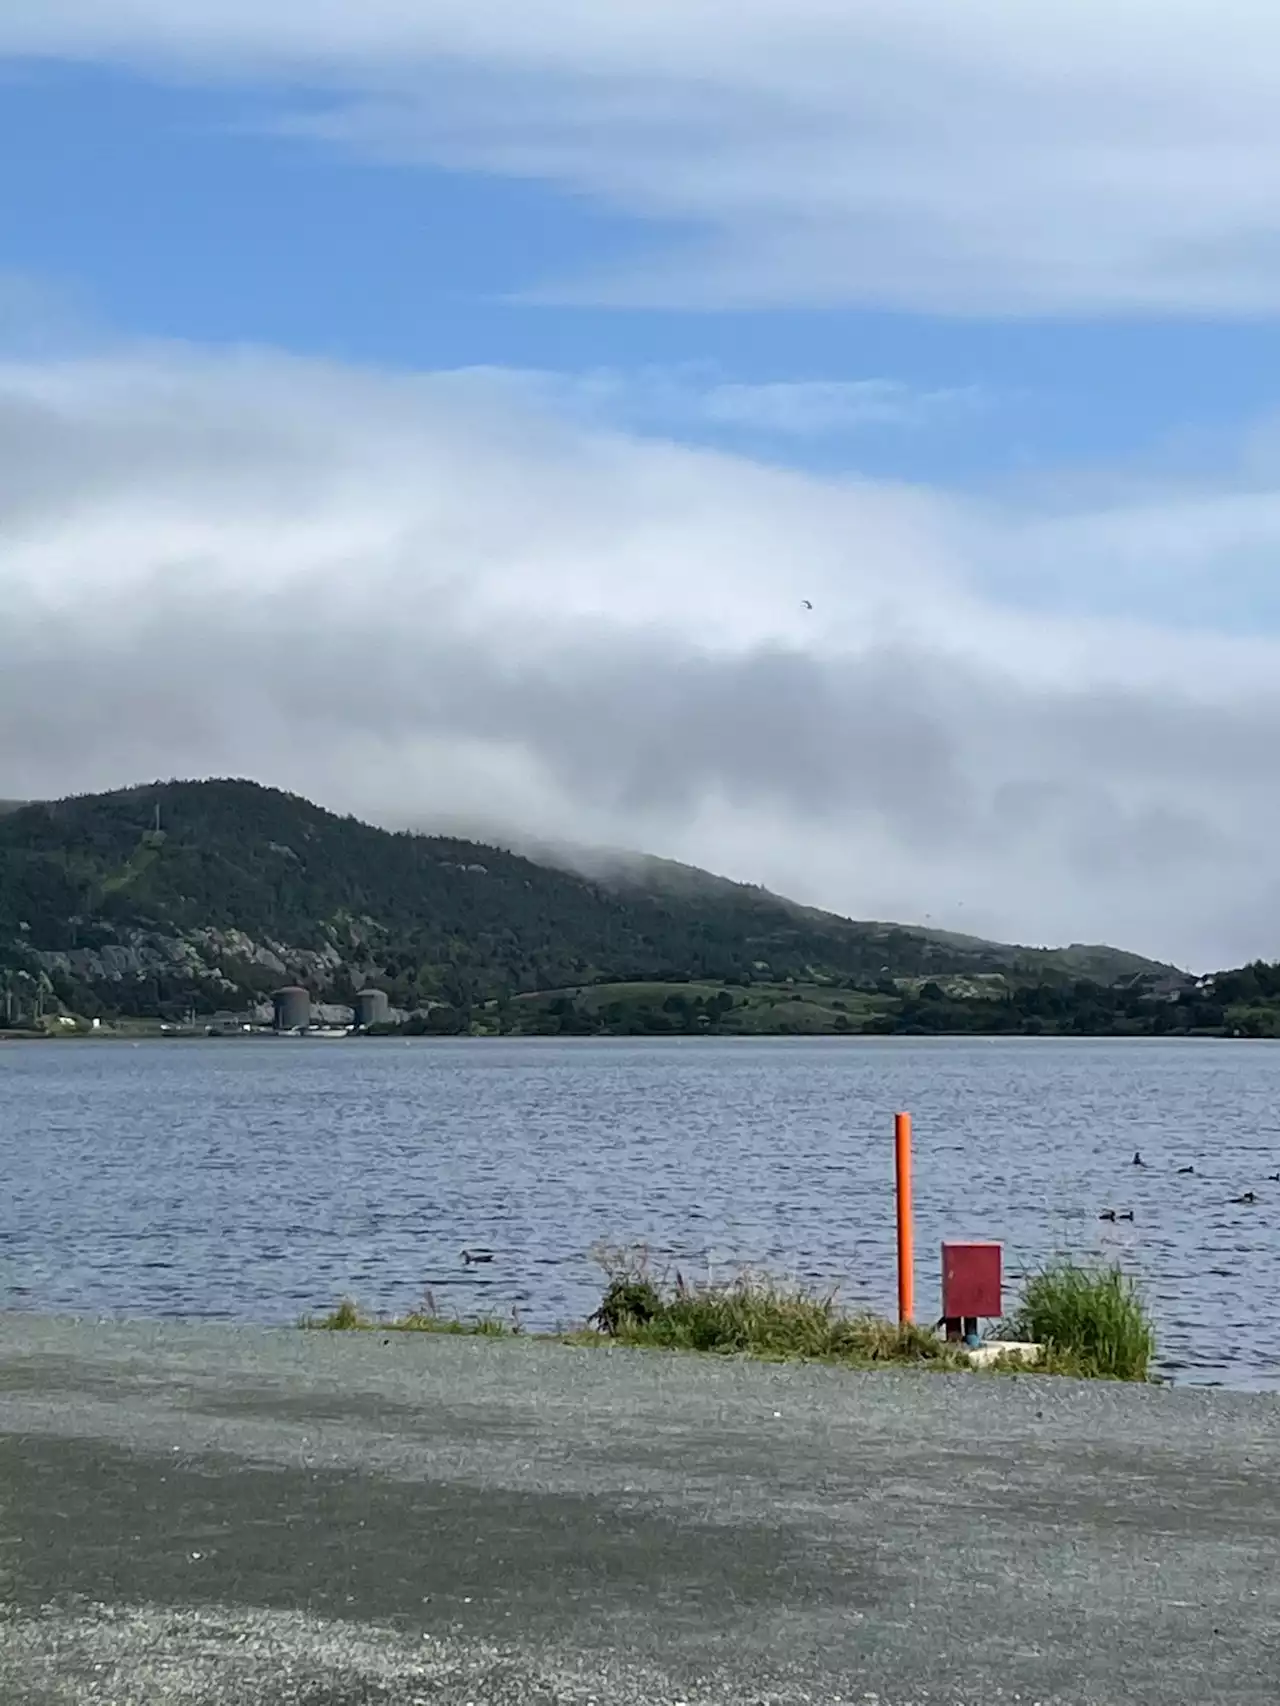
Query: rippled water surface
[[260, 1179]]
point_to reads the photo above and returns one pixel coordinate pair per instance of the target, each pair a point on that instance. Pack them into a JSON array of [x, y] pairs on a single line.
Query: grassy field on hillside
[[758, 1009]]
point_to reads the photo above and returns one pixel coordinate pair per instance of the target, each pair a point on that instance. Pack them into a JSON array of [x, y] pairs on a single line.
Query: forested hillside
[[209, 894]]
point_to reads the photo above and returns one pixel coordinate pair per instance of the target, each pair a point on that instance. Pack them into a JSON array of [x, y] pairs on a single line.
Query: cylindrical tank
[[293, 1009], [372, 1007]]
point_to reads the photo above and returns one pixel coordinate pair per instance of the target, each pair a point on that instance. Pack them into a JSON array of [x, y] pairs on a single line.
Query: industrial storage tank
[[293, 1009], [373, 1007]]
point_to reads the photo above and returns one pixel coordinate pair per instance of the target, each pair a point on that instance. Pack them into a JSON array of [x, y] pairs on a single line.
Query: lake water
[[261, 1179]]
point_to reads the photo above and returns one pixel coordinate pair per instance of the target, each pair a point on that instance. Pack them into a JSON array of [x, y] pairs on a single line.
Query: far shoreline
[[693, 1037]]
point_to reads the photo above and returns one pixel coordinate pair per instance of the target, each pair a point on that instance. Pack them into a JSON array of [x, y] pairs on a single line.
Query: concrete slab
[[997, 1350]]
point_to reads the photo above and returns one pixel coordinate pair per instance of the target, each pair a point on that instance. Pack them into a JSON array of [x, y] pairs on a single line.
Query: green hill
[[210, 894], [667, 879]]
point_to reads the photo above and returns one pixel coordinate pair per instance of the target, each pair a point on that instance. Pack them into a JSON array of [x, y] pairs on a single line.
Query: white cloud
[[431, 597], [1085, 158], [696, 396], [820, 408]]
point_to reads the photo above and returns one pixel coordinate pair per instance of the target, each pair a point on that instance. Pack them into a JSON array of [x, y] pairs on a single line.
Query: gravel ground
[[226, 1517]]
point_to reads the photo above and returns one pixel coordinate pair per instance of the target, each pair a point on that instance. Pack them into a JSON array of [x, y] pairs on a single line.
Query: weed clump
[[631, 1303], [748, 1315], [344, 1319], [1092, 1322]]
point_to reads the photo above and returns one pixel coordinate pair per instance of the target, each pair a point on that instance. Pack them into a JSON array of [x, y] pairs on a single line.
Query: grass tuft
[[424, 1318], [1091, 1320], [344, 1319]]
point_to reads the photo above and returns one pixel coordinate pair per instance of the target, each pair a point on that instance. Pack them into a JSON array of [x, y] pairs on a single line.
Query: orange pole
[[906, 1254]]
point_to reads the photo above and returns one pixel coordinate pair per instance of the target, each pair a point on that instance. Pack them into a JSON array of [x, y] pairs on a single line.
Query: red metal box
[[971, 1282]]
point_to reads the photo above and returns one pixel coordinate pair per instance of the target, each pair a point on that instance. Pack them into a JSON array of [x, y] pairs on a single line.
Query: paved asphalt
[[225, 1517]]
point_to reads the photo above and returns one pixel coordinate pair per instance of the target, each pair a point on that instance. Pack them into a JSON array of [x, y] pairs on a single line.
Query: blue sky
[[173, 210], [962, 326]]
